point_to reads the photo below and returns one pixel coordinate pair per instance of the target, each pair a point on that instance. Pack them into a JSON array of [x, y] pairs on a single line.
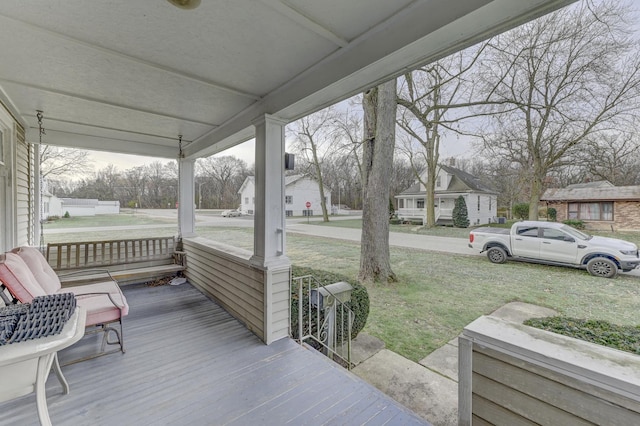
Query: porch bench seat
[[135, 274], [127, 261]]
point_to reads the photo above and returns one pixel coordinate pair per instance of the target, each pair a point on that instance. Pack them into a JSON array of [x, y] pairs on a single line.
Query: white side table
[[25, 366]]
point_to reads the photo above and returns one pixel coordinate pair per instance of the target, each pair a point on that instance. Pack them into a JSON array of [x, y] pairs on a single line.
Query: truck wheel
[[497, 255], [602, 267]]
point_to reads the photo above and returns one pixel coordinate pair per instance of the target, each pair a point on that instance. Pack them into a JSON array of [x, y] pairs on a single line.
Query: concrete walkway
[[430, 387]]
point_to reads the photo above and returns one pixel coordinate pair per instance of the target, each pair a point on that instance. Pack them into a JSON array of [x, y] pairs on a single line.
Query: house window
[[489, 203], [421, 204], [438, 181], [307, 212], [288, 213], [288, 199], [478, 203], [246, 200], [401, 203], [591, 211]]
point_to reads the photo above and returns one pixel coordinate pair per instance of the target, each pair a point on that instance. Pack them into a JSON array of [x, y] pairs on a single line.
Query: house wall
[[301, 191], [304, 190], [247, 198], [24, 189], [513, 374], [16, 184], [626, 216], [486, 213]]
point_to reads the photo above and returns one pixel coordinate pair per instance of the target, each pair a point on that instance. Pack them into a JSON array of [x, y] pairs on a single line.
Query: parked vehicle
[[556, 244], [231, 213]]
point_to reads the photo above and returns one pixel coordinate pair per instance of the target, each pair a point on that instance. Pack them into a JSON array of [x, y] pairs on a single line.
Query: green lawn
[[449, 231], [123, 219], [438, 294]]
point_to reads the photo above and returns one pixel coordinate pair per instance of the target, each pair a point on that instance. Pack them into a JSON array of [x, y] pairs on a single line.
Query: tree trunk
[[379, 106], [318, 170]]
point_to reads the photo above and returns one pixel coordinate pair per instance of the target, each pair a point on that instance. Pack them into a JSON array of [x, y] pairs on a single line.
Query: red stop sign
[[308, 204]]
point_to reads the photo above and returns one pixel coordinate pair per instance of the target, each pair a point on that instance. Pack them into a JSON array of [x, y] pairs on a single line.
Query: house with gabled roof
[[600, 205], [451, 183], [299, 190]]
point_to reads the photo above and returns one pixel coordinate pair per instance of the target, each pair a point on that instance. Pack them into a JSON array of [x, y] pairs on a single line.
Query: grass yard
[[449, 231], [437, 294], [123, 219]]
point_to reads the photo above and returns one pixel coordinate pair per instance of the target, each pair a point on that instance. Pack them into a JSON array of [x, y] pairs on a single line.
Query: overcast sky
[[451, 147]]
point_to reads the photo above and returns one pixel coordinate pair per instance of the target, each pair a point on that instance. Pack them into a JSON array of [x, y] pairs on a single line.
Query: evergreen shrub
[[460, 213]]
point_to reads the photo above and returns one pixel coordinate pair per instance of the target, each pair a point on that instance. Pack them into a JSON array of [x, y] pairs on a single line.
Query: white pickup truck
[[554, 243]]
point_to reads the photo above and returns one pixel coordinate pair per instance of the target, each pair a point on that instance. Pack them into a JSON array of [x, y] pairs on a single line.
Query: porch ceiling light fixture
[[185, 4]]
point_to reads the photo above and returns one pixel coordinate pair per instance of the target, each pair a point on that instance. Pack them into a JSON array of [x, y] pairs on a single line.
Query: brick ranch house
[[600, 205]]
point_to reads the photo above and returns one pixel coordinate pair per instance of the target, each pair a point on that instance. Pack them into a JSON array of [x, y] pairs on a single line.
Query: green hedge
[[624, 338], [578, 224], [359, 303]]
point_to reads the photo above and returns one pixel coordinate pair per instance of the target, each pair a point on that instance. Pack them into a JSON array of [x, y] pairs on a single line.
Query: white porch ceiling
[[130, 76]]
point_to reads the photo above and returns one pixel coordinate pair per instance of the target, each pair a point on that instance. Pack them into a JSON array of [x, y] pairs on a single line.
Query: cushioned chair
[[26, 274]]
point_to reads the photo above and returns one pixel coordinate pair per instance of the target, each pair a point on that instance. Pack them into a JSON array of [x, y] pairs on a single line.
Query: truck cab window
[[527, 231]]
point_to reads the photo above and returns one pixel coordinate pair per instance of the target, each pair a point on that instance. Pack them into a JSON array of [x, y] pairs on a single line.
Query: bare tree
[[614, 157], [567, 76], [434, 100], [134, 187], [379, 107], [56, 162], [312, 136], [223, 177]]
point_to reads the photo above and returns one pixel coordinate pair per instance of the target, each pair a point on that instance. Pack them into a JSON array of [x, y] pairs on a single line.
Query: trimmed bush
[[521, 211], [552, 214], [66, 215], [395, 221], [578, 224], [624, 338], [359, 302], [460, 213]]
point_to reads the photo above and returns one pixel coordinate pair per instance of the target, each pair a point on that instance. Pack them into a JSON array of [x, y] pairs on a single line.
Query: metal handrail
[[317, 325]]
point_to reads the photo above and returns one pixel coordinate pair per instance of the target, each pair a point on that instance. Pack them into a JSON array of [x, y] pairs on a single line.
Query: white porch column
[[186, 199], [269, 227], [269, 221]]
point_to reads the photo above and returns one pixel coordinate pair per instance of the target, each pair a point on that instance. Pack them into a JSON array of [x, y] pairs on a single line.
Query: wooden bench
[[127, 261]]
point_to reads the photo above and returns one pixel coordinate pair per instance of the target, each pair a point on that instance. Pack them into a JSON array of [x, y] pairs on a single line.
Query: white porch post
[[186, 199], [269, 220], [269, 226]]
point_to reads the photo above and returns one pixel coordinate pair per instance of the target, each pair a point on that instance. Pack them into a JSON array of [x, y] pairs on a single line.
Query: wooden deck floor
[[188, 362]]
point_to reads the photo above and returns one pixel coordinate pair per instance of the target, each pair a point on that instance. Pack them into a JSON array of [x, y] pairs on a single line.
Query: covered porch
[[147, 78], [190, 362]]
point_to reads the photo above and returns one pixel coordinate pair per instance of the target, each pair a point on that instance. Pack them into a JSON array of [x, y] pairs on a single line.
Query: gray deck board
[[188, 362]]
